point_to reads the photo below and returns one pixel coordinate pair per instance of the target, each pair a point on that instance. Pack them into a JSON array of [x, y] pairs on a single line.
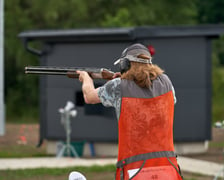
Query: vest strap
[[142, 157]]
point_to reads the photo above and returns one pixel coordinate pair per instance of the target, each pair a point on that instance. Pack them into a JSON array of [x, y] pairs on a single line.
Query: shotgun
[[95, 73]]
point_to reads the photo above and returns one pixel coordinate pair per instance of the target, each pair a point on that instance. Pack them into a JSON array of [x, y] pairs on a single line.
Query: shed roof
[[118, 34]]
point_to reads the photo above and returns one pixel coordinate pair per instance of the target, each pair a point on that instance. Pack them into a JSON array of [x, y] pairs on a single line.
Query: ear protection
[[124, 65]]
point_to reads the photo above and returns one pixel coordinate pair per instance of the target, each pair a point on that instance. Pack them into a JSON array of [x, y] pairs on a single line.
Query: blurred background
[[21, 91]]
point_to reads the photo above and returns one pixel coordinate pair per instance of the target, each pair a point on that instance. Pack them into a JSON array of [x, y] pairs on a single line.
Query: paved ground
[[187, 164]]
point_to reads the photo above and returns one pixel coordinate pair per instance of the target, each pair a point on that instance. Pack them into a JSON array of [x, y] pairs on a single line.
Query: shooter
[[143, 97]]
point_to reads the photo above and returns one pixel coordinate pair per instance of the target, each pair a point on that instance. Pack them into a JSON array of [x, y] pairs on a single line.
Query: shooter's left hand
[[83, 75]]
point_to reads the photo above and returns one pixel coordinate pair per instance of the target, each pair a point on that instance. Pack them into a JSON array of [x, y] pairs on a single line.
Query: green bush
[[217, 82]]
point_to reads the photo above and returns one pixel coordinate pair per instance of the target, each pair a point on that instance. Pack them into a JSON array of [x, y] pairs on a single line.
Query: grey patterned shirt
[[110, 95]]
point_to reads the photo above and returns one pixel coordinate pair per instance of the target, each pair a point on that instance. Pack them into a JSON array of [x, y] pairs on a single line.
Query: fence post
[[2, 104]]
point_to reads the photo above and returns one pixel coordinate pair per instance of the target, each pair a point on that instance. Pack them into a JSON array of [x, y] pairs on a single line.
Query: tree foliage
[[210, 11], [20, 15]]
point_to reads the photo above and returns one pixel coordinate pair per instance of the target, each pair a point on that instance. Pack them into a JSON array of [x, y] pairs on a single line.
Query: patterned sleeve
[[110, 93], [171, 84]]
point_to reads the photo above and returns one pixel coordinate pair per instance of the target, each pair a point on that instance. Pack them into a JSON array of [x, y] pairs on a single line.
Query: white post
[[2, 104]]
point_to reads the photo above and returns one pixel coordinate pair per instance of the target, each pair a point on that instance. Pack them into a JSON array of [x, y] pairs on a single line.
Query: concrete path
[[186, 164], [200, 166], [51, 162]]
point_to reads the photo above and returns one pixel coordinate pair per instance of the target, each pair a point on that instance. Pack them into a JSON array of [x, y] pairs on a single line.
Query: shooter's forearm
[[90, 94]]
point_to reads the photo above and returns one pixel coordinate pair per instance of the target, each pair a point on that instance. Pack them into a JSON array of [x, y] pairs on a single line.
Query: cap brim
[[117, 61]]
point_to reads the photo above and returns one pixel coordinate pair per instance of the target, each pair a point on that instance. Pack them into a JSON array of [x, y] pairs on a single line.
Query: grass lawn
[[17, 151], [91, 173]]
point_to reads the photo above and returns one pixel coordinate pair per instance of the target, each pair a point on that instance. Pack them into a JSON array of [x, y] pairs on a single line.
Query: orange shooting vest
[[146, 150]]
